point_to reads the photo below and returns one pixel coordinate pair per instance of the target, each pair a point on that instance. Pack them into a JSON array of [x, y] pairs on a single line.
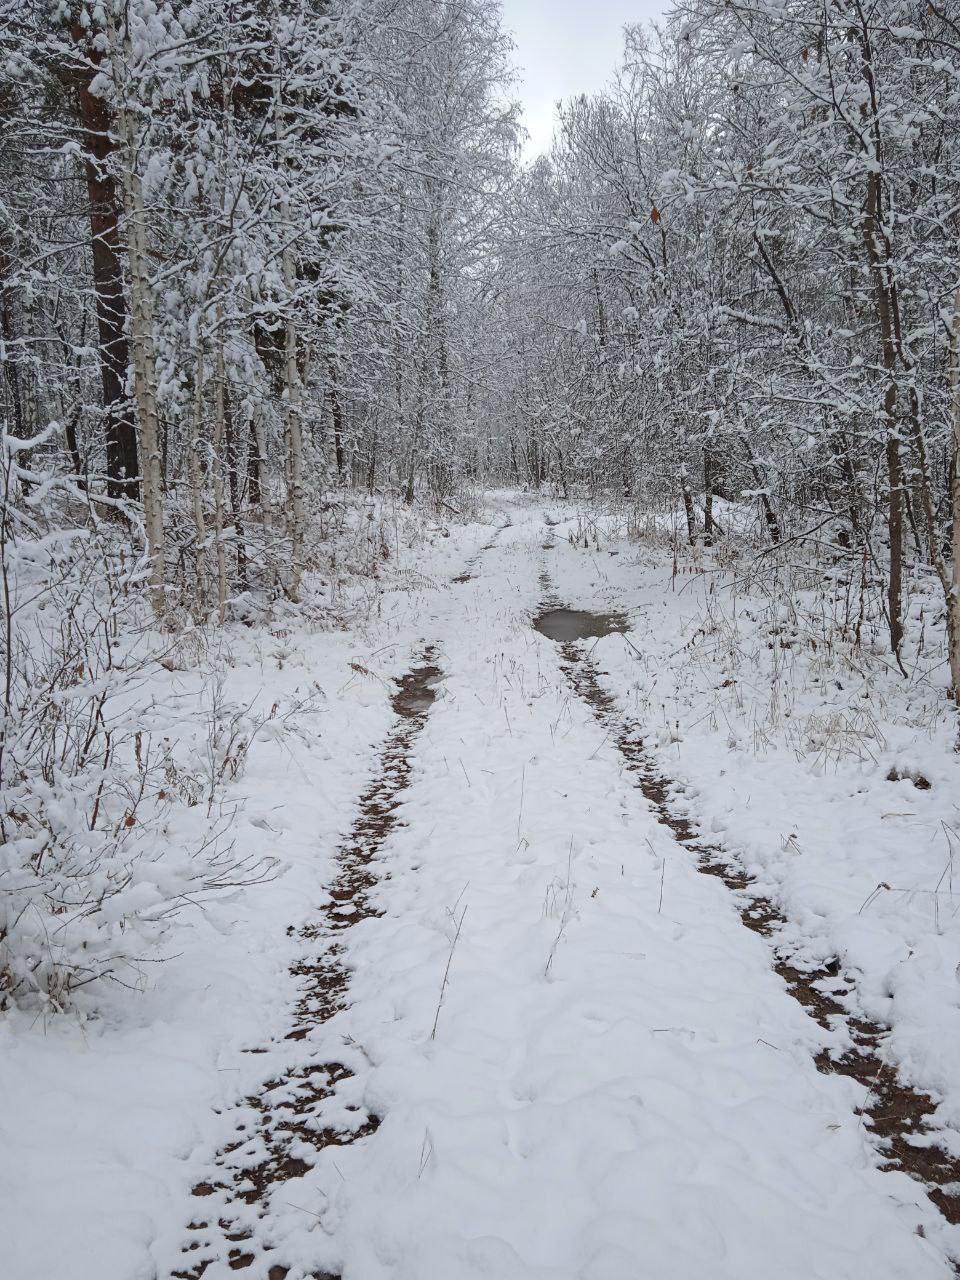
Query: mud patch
[[308, 1105], [899, 1118]]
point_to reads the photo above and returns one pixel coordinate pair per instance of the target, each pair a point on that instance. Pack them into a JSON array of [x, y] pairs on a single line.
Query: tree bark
[[219, 431], [195, 475], [293, 428], [336, 414], [880, 269], [953, 596], [233, 485], [769, 515], [11, 370], [688, 505], [255, 461], [111, 305], [144, 359], [707, 496]]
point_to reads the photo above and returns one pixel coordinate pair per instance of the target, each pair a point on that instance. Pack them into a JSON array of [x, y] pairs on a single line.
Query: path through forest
[[554, 1050]]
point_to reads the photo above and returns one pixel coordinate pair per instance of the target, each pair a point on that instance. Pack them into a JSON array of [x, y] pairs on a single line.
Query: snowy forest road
[[582, 1064], [357, 921]]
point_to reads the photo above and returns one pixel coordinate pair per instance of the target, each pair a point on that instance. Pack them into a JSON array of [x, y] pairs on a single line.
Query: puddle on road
[[564, 625], [417, 692]]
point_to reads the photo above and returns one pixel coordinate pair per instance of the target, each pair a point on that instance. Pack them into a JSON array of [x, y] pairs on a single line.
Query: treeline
[[254, 250], [242, 256], [244, 246], [739, 276]]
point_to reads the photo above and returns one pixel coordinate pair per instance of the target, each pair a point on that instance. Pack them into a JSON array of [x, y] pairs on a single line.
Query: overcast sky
[[566, 47]]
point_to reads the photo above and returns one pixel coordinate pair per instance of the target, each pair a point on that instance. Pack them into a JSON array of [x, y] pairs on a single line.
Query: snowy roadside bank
[[826, 773]]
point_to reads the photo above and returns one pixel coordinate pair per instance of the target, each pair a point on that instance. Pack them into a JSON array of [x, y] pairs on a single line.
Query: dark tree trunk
[[73, 446], [10, 368], [708, 497], [253, 467], [337, 414], [121, 432], [372, 465], [891, 431], [688, 506], [895, 534], [233, 485]]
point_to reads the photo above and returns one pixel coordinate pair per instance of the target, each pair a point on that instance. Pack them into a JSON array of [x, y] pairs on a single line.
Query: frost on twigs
[[785, 646]]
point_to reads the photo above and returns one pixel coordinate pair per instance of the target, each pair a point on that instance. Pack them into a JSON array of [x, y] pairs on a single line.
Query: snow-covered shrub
[[90, 877]]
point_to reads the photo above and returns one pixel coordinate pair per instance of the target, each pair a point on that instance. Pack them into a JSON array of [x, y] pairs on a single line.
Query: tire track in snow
[[282, 1127], [897, 1115], [288, 1122], [469, 569]]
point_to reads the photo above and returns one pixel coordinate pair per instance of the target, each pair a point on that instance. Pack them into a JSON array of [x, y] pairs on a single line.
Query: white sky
[[566, 47]]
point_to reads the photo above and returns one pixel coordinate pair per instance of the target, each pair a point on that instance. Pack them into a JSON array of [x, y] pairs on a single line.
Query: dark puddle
[[282, 1128], [899, 1118], [565, 625], [417, 692]]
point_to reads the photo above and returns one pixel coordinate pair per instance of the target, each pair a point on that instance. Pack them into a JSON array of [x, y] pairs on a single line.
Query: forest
[[447, 594]]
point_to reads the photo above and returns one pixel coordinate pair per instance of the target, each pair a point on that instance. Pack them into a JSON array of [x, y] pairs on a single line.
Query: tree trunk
[[895, 537], [707, 497], [219, 430], [255, 461], [144, 362], [953, 596], [195, 477], [769, 515], [688, 505], [11, 370], [880, 271], [409, 492], [292, 406], [233, 486], [372, 464], [111, 305], [293, 427], [70, 430], [336, 415]]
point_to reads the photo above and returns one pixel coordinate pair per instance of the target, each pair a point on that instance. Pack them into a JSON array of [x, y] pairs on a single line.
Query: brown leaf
[[654, 214]]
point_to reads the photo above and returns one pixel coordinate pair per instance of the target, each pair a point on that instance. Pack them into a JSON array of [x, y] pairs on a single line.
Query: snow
[[788, 759], [619, 1084]]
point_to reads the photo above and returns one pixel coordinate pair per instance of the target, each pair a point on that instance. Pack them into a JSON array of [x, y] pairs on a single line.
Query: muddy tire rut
[[898, 1117], [299, 1111], [469, 571]]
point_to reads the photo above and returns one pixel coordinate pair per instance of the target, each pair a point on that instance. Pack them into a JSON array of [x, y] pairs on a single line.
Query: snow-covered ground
[[833, 779], [610, 1082]]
